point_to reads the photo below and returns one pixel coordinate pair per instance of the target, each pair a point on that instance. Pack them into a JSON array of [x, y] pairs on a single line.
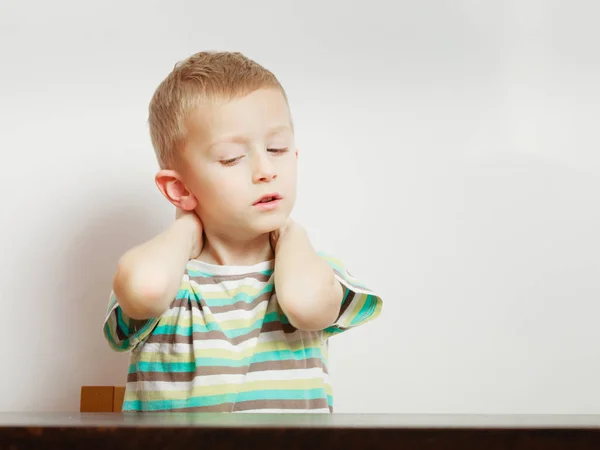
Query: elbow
[[140, 294], [313, 316], [309, 323]]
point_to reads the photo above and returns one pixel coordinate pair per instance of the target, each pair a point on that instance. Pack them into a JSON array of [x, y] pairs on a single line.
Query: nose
[[264, 170]]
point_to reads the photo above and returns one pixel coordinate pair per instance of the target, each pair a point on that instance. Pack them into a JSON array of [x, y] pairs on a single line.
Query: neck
[[226, 251]]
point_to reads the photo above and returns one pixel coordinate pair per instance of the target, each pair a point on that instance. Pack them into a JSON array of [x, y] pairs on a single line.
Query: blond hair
[[201, 77]]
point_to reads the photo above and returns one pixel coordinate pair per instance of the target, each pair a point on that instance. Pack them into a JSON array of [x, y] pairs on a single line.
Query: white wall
[[451, 157]]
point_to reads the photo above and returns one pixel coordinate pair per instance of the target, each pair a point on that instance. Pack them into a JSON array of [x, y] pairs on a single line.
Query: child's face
[[236, 152]]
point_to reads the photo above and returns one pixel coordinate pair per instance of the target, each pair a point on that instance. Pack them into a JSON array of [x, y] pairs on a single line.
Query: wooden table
[[288, 432]]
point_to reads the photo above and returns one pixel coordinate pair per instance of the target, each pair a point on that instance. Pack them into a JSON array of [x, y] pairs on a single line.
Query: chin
[[268, 224]]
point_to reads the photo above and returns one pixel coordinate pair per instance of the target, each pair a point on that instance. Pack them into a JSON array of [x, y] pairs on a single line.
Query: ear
[[297, 149], [171, 185]]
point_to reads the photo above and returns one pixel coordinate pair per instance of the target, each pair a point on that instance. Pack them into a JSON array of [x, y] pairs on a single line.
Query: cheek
[[288, 176], [289, 172], [219, 192]]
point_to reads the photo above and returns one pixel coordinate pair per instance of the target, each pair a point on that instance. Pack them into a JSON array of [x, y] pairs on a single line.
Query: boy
[[230, 308]]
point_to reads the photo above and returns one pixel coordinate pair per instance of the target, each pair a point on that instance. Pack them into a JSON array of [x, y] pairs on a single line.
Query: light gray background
[[450, 156]]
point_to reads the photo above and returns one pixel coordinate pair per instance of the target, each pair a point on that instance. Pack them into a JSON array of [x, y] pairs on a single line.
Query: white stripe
[[352, 287], [176, 312], [290, 374], [201, 344], [276, 335], [227, 285], [208, 344], [204, 380], [110, 315], [202, 266], [235, 314]]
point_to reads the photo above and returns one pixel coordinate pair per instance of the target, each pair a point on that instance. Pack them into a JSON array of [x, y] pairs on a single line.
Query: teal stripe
[[210, 400], [200, 274], [268, 272], [169, 329], [333, 330], [283, 319], [187, 367], [113, 340], [131, 405], [277, 355], [121, 322], [125, 345], [281, 394], [193, 402], [366, 311]]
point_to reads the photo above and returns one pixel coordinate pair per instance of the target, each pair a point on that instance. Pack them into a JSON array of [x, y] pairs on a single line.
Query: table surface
[[101, 431], [287, 421]]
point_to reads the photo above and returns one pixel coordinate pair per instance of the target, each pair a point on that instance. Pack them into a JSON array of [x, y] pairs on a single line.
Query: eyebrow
[[240, 139], [280, 129]]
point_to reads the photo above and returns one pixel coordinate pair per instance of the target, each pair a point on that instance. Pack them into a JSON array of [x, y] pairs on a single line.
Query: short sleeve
[[122, 332], [359, 304]]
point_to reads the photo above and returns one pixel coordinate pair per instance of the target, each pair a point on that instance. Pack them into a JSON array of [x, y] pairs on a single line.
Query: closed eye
[[277, 150], [230, 162]]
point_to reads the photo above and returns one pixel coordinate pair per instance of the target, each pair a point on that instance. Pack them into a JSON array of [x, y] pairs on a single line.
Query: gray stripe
[[174, 377], [121, 335], [317, 403], [216, 279], [347, 302]]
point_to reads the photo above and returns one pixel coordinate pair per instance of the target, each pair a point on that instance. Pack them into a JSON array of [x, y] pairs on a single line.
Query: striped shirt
[[225, 345]]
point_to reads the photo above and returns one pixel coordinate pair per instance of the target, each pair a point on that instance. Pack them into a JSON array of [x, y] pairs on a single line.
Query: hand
[[277, 234], [197, 230]]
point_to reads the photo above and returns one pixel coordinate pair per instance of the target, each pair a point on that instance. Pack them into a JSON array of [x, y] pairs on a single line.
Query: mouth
[[267, 199]]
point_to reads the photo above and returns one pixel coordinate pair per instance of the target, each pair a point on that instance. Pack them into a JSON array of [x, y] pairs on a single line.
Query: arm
[[149, 275], [307, 290]]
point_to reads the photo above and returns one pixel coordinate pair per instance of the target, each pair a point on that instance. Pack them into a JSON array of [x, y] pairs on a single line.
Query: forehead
[[254, 115]]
